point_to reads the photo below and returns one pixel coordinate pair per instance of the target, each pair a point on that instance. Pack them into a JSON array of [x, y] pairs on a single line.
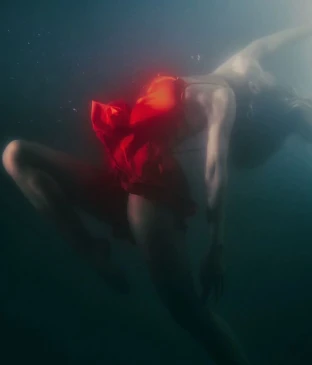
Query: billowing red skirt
[[139, 143]]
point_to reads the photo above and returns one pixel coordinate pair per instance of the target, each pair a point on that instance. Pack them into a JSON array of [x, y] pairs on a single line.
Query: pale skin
[[55, 184], [219, 102]]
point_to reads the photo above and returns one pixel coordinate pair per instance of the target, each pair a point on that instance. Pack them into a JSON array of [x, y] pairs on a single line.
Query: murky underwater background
[[56, 56]]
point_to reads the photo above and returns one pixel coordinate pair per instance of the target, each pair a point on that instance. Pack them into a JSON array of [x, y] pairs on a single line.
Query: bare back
[[244, 68], [243, 74]]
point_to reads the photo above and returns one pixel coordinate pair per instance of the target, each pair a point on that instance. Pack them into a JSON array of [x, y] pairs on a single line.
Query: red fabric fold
[[139, 142]]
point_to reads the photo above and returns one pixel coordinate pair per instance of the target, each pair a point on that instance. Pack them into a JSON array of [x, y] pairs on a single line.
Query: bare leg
[[55, 183], [155, 230]]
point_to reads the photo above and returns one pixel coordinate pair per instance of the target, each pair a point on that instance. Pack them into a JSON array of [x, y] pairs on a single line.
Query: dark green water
[[54, 309]]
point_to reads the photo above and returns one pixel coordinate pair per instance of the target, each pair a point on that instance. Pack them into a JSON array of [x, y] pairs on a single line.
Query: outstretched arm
[[272, 43], [220, 118]]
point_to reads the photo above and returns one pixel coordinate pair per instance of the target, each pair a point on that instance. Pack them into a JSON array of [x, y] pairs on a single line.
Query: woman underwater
[[142, 192]]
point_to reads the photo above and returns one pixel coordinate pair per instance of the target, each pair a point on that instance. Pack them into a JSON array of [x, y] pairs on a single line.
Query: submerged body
[[143, 194]]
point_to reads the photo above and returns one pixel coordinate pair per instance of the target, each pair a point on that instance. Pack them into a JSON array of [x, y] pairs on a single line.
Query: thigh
[[156, 230], [95, 190]]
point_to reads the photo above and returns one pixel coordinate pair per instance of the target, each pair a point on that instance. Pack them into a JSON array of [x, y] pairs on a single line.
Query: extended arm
[[221, 116], [272, 43]]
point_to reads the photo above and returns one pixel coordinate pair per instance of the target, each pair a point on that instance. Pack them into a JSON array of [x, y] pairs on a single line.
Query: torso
[[252, 144], [206, 85]]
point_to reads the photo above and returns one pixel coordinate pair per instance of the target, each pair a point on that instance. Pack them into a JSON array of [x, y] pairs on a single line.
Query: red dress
[[139, 142]]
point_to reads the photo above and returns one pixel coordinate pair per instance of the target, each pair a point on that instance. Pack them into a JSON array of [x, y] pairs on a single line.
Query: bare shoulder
[[242, 71], [211, 80], [203, 86], [210, 97], [207, 101]]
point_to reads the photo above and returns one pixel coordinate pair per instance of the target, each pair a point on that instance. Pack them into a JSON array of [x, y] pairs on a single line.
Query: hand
[[211, 273]]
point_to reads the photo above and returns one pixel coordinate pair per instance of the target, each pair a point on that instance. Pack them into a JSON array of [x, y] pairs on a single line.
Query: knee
[[13, 156]]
